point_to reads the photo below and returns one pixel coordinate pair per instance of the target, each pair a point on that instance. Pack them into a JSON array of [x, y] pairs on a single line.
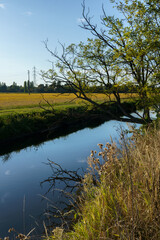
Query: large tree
[[123, 51]]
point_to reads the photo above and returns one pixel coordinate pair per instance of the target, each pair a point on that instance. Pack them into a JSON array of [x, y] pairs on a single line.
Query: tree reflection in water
[[64, 189], [6, 157]]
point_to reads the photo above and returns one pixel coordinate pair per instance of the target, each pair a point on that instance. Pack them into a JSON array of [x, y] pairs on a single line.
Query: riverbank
[[122, 202], [23, 129]]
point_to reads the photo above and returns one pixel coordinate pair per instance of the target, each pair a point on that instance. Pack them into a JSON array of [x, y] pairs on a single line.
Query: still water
[[21, 172]]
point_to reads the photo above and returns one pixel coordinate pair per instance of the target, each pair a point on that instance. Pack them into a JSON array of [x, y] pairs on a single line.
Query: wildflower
[[108, 144], [100, 145], [92, 153], [97, 160], [100, 153], [11, 230], [21, 236]]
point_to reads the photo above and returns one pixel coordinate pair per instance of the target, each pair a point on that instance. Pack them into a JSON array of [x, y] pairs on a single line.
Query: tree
[[125, 51], [14, 88], [41, 88], [25, 86], [28, 86], [3, 87]]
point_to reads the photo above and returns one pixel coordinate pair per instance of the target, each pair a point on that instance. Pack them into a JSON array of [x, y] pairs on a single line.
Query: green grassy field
[[18, 103], [11, 103], [34, 109]]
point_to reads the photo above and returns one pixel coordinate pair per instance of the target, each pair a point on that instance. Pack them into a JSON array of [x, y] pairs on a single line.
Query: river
[[21, 172]]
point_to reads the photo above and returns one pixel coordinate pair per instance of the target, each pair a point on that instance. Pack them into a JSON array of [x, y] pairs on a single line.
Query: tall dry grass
[[125, 202]]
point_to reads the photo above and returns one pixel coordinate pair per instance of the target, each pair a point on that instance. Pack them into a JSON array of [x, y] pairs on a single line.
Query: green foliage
[[124, 53]]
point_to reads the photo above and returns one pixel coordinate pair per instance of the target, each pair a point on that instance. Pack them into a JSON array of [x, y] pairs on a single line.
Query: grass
[[15, 100], [34, 109], [21, 113], [22, 103], [125, 202], [26, 122], [19, 103], [12, 100]]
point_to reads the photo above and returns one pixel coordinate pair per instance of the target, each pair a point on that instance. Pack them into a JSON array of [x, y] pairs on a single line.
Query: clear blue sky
[[25, 24]]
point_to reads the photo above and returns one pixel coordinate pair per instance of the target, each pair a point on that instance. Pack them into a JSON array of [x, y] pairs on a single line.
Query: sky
[[26, 24]]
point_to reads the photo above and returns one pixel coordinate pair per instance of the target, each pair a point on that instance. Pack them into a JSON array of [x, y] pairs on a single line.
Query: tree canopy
[[123, 51]]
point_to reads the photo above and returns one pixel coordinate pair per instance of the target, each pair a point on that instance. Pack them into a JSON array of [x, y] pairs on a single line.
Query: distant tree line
[[29, 87], [56, 87]]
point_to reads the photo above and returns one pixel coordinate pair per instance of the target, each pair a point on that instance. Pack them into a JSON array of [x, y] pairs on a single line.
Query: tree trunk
[[146, 111], [146, 114]]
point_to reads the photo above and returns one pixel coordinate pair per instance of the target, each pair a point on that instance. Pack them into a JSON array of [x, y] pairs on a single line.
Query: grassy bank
[[125, 202]]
